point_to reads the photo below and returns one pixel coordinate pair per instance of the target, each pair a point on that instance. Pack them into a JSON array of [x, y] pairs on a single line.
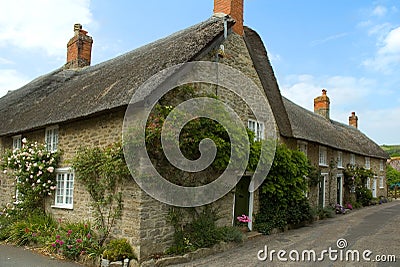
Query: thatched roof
[[307, 125], [296, 122], [65, 95], [266, 74]]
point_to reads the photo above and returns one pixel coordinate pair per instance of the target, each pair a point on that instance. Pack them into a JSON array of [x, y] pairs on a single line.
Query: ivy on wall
[[282, 195]]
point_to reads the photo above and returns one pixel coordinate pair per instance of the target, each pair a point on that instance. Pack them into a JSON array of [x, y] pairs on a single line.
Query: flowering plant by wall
[[32, 168], [243, 220]]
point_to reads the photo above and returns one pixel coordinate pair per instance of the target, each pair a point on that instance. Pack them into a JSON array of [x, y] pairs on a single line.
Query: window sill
[[323, 165], [340, 167], [65, 207]]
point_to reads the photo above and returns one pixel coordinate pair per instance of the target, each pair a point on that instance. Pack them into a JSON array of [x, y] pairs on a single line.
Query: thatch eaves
[[308, 126], [65, 95]]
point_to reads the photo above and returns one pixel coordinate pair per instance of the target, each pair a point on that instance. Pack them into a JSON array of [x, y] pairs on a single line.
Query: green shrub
[[200, 232], [270, 218], [33, 230], [364, 195], [299, 212], [282, 200], [326, 212], [203, 231], [118, 249], [230, 234]]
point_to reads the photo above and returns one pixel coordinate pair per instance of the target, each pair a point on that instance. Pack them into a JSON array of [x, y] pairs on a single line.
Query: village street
[[374, 228]]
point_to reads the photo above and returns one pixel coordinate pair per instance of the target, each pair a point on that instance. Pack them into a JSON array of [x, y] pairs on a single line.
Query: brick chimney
[[321, 105], [234, 8], [353, 120], [79, 49]]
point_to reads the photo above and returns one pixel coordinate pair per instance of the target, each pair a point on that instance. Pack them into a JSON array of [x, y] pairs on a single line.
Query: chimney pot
[[353, 120], [79, 49], [77, 28], [233, 8], [322, 105]]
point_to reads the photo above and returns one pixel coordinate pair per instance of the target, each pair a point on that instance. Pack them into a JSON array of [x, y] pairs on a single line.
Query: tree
[[392, 175]]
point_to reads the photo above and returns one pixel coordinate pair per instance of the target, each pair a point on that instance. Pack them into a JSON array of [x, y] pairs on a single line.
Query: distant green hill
[[393, 150]]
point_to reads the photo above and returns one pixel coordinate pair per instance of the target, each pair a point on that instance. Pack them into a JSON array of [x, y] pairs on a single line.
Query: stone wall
[[333, 173]]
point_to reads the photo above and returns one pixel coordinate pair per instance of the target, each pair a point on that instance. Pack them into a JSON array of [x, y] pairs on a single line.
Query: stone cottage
[[79, 104]]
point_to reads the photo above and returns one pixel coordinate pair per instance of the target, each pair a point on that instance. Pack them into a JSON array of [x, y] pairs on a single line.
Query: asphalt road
[[11, 256], [372, 230]]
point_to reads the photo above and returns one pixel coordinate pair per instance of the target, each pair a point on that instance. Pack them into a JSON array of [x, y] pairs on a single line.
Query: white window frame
[[257, 127], [381, 165], [367, 163], [17, 142], [368, 185], [302, 146], [352, 159], [51, 138], [340, 160], [323, 182], [323, 156], [63, 191], [381, 182]]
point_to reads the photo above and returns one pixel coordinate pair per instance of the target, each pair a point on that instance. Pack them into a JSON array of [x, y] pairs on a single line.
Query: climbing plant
[[282, 195], [191, 135], [32, 168], [101, 171], [355, 179]]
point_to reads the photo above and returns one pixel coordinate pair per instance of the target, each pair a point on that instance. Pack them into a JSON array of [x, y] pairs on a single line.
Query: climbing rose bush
[[33, 168]]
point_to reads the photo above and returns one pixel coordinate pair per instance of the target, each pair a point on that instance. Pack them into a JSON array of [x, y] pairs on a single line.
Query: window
[[17, 142], [381, 165], [257, 128], [367, 163], [52, 138], [368, 184], [64, 197], [322, 156], [352, 159], [340, 159], [302, 146], [381, 182]]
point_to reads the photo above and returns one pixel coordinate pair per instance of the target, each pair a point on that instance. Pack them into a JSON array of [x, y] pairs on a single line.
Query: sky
[[350, 48]]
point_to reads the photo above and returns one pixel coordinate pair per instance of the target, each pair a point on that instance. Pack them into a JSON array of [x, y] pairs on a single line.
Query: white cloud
[[10, 80], [392, 42], [347, 94], [4, 61], [274, 57], [43, 24], [329, 38], [379, 11], [381, 124], [381, 30], [387, 57], [344, 91]]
